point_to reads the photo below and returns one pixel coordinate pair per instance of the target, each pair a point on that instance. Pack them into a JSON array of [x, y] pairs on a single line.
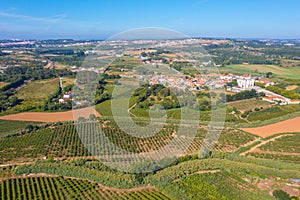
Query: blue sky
[[102, 18]]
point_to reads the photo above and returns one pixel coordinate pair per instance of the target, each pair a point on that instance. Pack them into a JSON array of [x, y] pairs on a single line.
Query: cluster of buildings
[[280, 100], [276, 98], [68, 96], [241, 83], [182, 82], [178, 81]]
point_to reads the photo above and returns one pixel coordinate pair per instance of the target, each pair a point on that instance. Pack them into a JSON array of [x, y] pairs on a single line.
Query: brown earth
[[286, 126], [51, 117], [291, 87]]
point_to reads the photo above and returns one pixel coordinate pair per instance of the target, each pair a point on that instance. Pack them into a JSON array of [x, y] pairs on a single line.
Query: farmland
[[9, 126], [195, 177], [285, 148], [290, 125], [50, 117], [273, 114], [65, 188], [46, 154], [249, 104], [67, 81], [283, 72], [289, 143], [241, 171], [34, 94], [212, 184], [64, 141]]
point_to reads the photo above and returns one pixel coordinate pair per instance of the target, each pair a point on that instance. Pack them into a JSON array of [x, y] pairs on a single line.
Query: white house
[[293, 101], [245, 82]]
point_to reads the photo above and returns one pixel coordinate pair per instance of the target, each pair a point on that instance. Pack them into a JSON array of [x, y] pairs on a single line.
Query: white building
[[245, 82]]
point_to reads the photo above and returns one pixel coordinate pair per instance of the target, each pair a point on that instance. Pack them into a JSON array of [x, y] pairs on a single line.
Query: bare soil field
[[287, 126], [51, 117], [291, 87]]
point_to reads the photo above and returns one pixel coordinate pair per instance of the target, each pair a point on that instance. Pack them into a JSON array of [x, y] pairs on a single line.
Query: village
[[232, 83]]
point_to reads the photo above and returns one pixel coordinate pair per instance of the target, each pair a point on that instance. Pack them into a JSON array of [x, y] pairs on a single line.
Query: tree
[[281, 195], [29, 128], [268, 74]]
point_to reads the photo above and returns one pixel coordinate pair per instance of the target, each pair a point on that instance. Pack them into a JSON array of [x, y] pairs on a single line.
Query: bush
[[281, 195]]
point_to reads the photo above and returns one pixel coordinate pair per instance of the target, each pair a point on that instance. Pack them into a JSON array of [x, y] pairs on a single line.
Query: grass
[[34, 94], [126, 62], [267, 122], [67, 81], [277, 71], [8, 126], [38, 90], [290, 63], [249, 104], [60, 65], [273, 112], [109, 88], [104, 108]]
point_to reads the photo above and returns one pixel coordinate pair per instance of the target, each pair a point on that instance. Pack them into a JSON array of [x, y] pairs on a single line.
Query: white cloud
[[55, 18]]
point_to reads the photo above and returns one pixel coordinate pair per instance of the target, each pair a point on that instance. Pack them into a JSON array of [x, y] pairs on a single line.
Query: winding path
[[263, 142]]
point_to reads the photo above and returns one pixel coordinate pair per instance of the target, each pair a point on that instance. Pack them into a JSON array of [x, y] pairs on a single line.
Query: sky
[[99, 19]]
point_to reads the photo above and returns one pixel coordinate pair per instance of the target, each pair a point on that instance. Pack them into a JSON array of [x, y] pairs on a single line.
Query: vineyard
[[64, 188], [59, 141], [166, 179], [284, 148], [221, 185], [288, 143], [65, 141], [220, 177], [273, 112]]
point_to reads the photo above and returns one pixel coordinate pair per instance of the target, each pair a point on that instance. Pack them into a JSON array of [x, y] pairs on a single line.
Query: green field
[[249, 104], [284, 72], [273, 112], [104, 108], [8, 126], [67, 81], [35, 93]]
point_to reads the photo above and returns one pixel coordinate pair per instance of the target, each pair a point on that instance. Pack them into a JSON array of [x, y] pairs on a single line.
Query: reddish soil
[[287, 126], [51, 117]]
